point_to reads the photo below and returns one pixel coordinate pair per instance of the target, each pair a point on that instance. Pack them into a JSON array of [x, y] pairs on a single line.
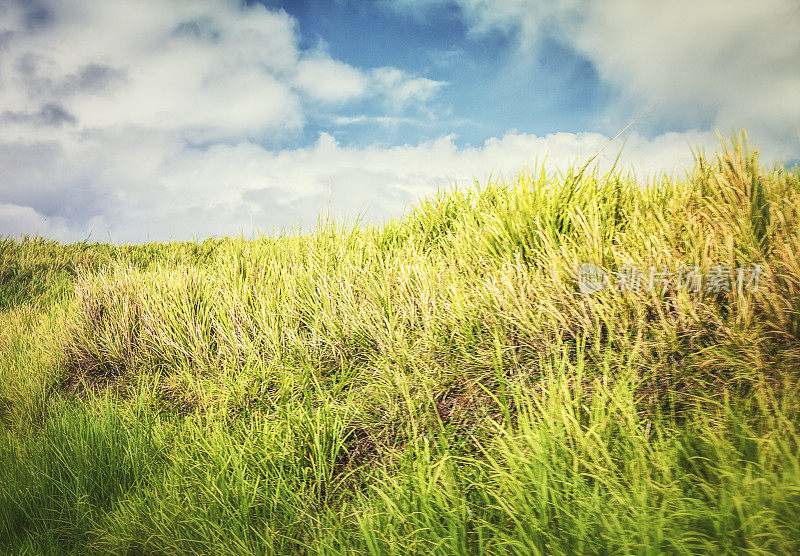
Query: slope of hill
[[579, 364]]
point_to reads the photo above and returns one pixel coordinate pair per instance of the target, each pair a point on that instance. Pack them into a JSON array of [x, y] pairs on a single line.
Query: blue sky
[[136, 120], [490, 86]]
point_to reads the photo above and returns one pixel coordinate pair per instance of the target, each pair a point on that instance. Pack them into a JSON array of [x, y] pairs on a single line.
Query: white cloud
[[401, 89], [102, 105], [199, 66], [329, 80], [185, 193], [729, 63], [735, 59], [382, 120], [206, 68]]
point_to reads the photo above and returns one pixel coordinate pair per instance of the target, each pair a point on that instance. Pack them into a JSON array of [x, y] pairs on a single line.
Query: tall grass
[[438, 384]]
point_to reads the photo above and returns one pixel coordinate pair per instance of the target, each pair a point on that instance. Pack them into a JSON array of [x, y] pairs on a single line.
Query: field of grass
[[436, 385]]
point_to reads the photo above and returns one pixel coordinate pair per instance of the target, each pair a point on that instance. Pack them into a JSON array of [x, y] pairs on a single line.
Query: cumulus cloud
[[206, 69], [401, 89], [727, 63], [736, 59], [186, 193], [209, 69], [329, 80], [117, 116]]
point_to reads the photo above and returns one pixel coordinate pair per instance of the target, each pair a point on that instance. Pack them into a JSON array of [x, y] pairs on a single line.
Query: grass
[[438, 384]]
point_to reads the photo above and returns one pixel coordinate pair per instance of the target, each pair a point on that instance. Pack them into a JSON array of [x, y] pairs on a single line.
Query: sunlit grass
[[438, 384]]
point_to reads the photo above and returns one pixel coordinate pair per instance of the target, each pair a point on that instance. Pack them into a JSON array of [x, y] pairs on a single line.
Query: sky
[[158, 120]]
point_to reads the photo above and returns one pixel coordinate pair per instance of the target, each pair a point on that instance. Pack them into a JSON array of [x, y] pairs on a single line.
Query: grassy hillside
[[440, 384]]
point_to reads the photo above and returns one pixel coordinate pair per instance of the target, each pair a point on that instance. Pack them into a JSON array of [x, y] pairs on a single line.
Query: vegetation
[[439, 384]]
